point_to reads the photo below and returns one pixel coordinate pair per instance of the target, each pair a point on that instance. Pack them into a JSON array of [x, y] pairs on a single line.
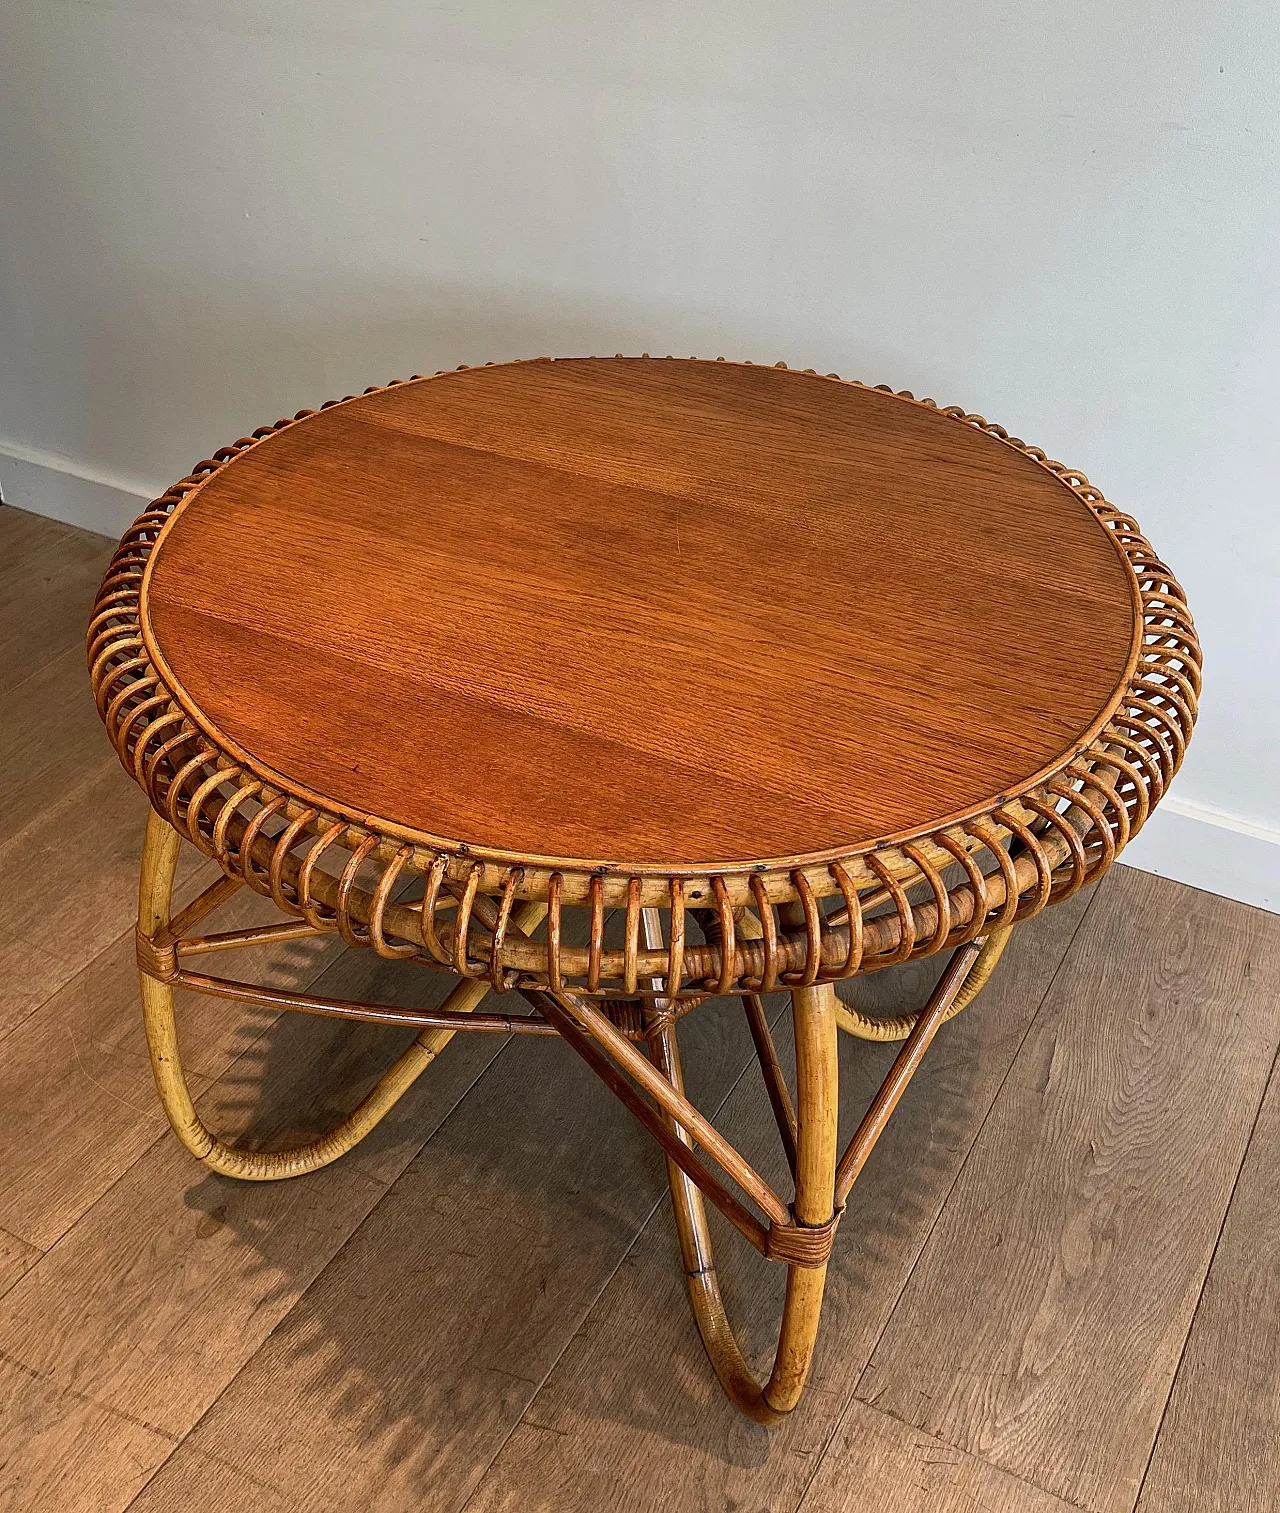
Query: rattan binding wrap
[[903, 898]]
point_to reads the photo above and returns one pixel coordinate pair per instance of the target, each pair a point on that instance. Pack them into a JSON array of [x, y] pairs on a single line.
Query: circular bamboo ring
[[943, 884]]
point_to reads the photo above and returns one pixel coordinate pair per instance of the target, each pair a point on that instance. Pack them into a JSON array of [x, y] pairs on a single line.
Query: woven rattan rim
[[1059, 830]]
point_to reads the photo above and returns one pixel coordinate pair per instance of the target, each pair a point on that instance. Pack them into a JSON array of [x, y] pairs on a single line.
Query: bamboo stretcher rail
[[369, 1013], [231, 940], [677, 1125], [591, 1022], [204, 903], [678, 1150], [927, 1024]]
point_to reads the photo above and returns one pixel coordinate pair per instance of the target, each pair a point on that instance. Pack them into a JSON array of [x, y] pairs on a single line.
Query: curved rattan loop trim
[[221, 847], [1136, 800], [462, 926], [1146, 739], [990, 838], [554, 887], [125, 726], [169, 799], [1096, 798], [977, 887], [906, 916], [768, 979], [311, 911], [1079, 861], [142, 765], [726, 936], [631, 939], [195, 809], [853, 918], [596, 946], [1164, 722], [1109, 839], [102, 676], [381, 897], [940, 899], [430, 898], [285, 843], [813, 934], [256, 880], [346, 883], [120, 703], [675, 949], [497, 979], [162, 754], [155, 953], [1033, 849]]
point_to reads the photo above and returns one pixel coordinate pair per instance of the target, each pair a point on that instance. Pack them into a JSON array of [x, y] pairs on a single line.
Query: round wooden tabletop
[[664, 613]]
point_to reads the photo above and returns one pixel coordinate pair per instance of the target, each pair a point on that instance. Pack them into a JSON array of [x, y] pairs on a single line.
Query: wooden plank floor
[[1057, 1285]]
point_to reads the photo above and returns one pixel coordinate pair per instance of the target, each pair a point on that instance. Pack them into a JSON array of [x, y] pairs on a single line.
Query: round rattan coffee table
[[628, 684]]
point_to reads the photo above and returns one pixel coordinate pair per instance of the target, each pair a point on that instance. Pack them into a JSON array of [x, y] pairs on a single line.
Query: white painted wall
[[1064, 216]]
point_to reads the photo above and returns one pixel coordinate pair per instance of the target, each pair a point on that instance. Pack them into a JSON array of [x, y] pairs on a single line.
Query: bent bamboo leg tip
[[159, 864]]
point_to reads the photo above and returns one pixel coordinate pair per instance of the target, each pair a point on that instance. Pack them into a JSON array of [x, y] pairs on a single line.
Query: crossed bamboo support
[[701, 1164]]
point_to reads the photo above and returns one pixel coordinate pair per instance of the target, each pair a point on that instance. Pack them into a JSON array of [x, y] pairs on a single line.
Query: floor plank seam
[[43, 667], [546, 1377], [1204, 1280], [12, 1234], [35, 947], [163, 1133], [66, 797], [936, 1439], [84, 1397], [216, 1460], [977, 1134]]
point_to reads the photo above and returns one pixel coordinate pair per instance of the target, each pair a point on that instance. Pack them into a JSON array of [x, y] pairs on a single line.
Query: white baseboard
[[1188, 842], [1194, 844], [65, 490]]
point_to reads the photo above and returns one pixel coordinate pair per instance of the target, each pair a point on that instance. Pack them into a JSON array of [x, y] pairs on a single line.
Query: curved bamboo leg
[[867, 1027], [816, 1086], [159, 861]]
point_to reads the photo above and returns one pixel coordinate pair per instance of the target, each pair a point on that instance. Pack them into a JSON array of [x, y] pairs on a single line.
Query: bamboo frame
[[701, 1163], [160, 939], [798, 924]]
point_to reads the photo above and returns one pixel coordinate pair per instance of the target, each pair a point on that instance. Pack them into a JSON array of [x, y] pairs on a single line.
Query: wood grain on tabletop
[[643, 610]]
